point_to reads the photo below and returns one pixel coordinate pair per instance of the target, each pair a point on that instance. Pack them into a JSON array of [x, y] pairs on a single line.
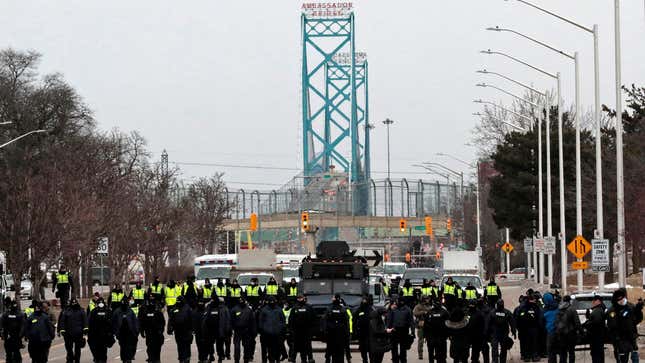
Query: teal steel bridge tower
[[335, 108]]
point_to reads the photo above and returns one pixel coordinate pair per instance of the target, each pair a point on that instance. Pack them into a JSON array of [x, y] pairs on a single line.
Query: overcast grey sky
[[219, 81]]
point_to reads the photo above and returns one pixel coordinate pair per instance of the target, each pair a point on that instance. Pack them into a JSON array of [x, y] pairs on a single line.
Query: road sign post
[[528, 249], [579, 247], [102, 250]]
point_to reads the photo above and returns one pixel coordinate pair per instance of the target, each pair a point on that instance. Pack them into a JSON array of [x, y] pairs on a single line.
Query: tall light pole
[[620, 182], [599, 200], [387, 123], [549, 219], [560, 139], [540, 233]]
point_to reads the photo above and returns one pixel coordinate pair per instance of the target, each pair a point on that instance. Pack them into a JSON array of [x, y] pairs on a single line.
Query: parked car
[[582, 302], [515, 274], [24, 289]]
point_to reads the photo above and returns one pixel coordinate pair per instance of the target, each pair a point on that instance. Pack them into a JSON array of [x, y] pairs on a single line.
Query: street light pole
[[563, 248], [387, 123], [599, 198], [620, 186], [21, 136]]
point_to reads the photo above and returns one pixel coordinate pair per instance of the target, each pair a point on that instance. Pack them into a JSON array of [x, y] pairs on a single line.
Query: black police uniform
[[302, 314], [501, 324], [152, 324], [245, 330], [180, 324], [99, 334], [216, 327], [72, 325], [530, 321], [125, 326], [597, 332], [401, 320], [40, 332], [271, 326], [336, 330], [13, 330], [478, 326], [436, 333], [362, 329]]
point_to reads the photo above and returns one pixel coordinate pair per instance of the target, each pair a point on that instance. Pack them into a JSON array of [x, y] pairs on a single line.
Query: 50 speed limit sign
[[103, 246]]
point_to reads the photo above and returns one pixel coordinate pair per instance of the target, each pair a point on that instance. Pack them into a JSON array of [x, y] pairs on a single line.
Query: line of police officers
[[216, 315]]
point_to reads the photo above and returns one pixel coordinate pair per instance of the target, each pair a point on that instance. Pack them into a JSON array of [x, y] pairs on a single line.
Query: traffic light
[[449, 224], [428, 221], [438, 255], [304, 221], [253, 222], [402, 225], [408, 257]]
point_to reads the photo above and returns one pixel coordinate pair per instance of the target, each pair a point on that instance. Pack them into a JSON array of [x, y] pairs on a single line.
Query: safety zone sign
[[600, 255], [579, 247], [507, 247]]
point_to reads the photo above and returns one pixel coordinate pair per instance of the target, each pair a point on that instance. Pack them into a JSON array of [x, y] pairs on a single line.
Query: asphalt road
[[169, 350]]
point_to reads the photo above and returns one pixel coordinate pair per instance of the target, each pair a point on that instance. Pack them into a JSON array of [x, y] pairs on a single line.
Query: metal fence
[[333, 194]]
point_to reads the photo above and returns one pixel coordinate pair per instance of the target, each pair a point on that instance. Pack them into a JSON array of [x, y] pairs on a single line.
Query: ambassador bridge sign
[[327, 10]]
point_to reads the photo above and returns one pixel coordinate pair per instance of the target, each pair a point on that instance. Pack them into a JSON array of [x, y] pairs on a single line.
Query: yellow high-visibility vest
[[287, 313], [426, 291], [185, 288], [62, 279], [351, 321], [138, 294], [236, 292], [386, 290], [435, 290], [491, 290], [408, 291], [253, 290], [207, 293], [271, 290], [116, 297], [171, 296], [221, 291], [471, 294], [156, 289], [135, 309], [28, 311], [92, 305], [448, 289], [293, 291]]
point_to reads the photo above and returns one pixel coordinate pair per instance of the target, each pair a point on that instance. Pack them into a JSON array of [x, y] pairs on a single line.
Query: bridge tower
[[334, 97]]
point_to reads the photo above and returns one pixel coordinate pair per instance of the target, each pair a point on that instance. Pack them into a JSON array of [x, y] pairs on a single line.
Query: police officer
[[138, 294], [362, 327], [252, 293], [125, 326], [40, 333], [400, 324], [449, 293], [72, 326], [435, 290], [470, 292], [407, 293], [492, 293], [170, 295], [336, 330], [13, 330], [597, 329], [221, 290], [384, 287], [180, 324], [206, 292], [244, 330], [201, 338], [457, 328], [292, 292], [501, 324], [99, 334], [272, 289], [419, 312], [529, 319], [477, 326], [379, 338], [31, 308], [152, 324], [435, 332], [285, 352], [300, 318], [567, 326], [271, 325], [622, 319], [92, 304], [116, 297], [63, 282], [217, 327], [425, 289], [156, 289], [189, 292]]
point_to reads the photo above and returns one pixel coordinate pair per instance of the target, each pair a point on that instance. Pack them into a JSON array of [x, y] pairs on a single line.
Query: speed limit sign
[[103, 246]]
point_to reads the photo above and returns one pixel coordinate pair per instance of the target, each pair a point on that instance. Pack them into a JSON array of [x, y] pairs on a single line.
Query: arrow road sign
[[507, 247], [579, 247]]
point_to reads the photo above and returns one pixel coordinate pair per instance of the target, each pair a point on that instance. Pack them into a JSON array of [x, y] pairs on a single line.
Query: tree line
[[63, 189]]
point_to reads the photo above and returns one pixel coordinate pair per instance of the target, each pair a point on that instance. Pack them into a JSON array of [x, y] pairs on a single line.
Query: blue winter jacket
[[550, 312]]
